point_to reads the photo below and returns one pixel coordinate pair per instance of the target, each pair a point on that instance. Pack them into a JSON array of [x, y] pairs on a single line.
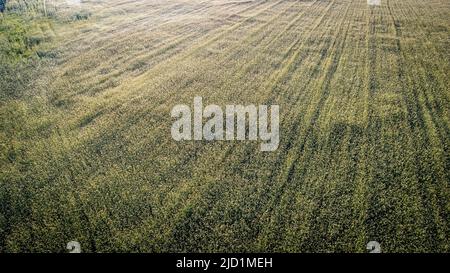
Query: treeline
[[44, 7]]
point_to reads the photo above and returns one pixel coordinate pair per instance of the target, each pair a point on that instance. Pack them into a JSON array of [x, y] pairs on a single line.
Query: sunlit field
[[86, 91]]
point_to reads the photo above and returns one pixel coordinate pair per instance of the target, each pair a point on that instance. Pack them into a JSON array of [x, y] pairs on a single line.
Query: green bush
[[14, 42], [81, 15]]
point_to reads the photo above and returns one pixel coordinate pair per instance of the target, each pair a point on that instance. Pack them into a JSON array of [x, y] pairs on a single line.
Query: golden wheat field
[[86, 92]]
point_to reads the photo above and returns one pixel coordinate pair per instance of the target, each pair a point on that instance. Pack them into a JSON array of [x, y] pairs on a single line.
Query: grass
[[364, 101]]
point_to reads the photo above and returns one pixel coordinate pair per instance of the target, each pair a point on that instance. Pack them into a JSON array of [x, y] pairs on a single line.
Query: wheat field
[[87, 155]]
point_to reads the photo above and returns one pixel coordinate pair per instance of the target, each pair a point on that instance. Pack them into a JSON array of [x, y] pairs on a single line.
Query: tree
[[45, 7], [2, 5]]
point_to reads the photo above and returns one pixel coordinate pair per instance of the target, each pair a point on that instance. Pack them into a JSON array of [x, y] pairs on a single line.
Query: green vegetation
[[19, 38], [86, 151]]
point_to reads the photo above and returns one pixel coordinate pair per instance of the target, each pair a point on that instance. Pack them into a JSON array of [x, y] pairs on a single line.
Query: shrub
[[81, 15]]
